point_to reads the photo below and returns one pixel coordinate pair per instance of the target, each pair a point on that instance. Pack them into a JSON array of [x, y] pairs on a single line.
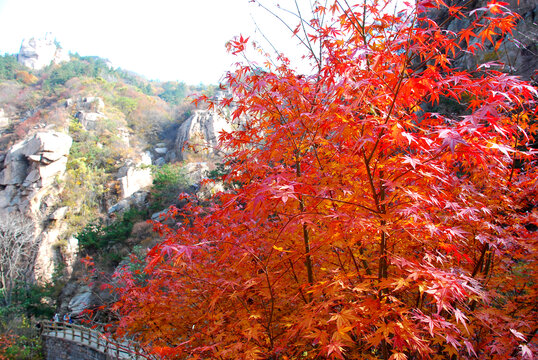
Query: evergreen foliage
[[97, 236], [9, 67], [169, 181]]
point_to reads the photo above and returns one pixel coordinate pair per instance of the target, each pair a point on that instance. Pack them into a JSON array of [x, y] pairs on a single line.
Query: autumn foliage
[[360, 224]]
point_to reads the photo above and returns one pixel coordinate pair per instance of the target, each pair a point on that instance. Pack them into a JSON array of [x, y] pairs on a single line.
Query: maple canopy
[[358, 224]]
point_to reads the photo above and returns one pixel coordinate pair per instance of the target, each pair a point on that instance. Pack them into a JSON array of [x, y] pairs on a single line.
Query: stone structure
[[36, 53], [63, 341], [62, 349]]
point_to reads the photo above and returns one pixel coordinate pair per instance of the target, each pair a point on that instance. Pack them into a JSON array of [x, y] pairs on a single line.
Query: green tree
[[169, 181], [9, 67]]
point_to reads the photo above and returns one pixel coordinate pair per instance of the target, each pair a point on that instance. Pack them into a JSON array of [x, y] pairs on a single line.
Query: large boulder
[[48, 172], [8, 197], [137, 200], [199, 134], [135, 177], [36, 53], [49, 146], [82, 300], [36, 159], [15, 170], [196, 172]]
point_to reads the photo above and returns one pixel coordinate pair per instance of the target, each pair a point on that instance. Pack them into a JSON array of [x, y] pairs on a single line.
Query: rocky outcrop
[[198, 136], [36, 53], [82, 299], [138, 200], [519, 53], [135, 176], [35, 161], [28, 189], [88, 110]]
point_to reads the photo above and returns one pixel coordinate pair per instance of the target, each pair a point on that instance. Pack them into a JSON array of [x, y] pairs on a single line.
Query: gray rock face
[[91, 104], [36, 53], [38, 158], [201, 131], [88, 110], [50, 146], [81, 301], [134, 177], [28, 171], [159, 216], [519, 52], [15, 170], [137, 199], [7, 196]]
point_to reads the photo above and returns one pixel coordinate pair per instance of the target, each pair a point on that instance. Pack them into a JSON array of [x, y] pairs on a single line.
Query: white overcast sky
[[159, 39]]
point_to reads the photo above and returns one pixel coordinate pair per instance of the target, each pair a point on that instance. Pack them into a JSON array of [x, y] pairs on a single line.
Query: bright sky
[[159, 39]]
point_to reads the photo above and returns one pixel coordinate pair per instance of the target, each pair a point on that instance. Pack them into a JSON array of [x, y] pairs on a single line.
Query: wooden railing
[[94, 339]]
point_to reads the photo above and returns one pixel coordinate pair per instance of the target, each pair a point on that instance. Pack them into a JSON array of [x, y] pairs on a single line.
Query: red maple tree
[[359, 224]]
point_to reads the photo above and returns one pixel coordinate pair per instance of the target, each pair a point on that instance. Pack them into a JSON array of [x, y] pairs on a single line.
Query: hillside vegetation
[[130, 116]]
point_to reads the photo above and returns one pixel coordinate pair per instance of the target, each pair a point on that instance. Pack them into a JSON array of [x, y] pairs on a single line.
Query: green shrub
[[174, 92], [169, 181], [126, 104], [21, 347], [35, 300], [96, 236], [19, 339], [9, 67]]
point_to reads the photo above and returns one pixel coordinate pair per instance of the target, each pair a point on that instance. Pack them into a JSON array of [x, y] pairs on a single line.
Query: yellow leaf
[[277, 248]]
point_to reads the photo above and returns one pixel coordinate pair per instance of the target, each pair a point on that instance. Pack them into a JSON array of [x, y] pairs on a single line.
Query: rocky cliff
[[29, 166], [34, 183], [198, 136], [29, 189], [36, 53]]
